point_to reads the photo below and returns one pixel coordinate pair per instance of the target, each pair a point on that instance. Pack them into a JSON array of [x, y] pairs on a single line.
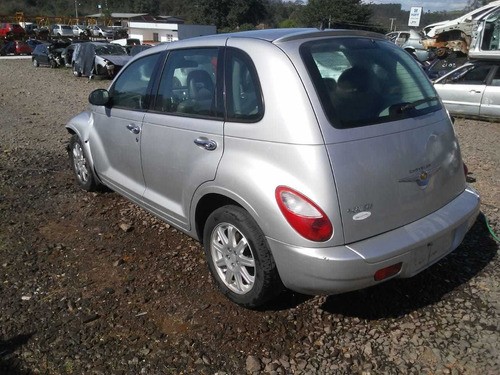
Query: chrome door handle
[[134, 128], [206, 143], [475, 92]]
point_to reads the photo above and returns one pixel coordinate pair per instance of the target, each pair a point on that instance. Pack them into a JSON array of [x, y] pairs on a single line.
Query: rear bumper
[[417, 246]]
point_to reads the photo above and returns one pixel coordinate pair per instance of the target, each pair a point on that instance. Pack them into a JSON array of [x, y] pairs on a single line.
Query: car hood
[[118, 60]]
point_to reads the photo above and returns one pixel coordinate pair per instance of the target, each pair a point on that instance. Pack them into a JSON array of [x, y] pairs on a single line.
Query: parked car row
[[90, 59]]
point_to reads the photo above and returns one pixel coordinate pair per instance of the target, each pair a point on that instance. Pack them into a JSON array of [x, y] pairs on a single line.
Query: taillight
[[303, 215]]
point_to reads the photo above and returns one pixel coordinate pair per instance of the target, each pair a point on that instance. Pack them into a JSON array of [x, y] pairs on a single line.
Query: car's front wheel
[[81, 167], [239, 257]]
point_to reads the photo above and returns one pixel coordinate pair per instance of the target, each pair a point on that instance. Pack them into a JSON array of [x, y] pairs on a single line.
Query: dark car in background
[[134, 50], [48, 54], [15, 47], [98, 59]]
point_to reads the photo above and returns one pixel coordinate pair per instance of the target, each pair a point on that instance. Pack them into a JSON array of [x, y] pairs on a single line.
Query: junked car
[[472, 90], [319, 161], [61, 30], [100, 31], [411, 42], [48, 54], [456, 35], [486, 38], [96, 59]]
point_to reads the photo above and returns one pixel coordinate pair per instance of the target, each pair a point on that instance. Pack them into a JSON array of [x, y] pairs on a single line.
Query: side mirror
[[99, 97]]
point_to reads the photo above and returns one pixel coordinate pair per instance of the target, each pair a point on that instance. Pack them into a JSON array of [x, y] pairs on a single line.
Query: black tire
[[36, 64], [80, 165], [253, 278], [77, 73]]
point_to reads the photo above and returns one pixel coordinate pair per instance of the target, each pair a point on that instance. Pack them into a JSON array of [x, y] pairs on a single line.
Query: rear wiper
[[413, 105]]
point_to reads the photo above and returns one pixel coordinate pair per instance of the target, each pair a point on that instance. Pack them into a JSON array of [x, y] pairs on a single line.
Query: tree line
[[228, 15]]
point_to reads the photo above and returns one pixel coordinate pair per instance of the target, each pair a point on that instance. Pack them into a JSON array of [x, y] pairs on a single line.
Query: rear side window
[[362, 81], [243, 92]]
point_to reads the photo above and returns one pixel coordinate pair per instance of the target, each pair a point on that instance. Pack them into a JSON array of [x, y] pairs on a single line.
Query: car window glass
[[496, 78], [472, 75], [361, 82], [243, 94], [188, 83], [131, 88]]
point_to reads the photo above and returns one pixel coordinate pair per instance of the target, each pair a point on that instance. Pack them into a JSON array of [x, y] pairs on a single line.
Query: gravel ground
[[90, 284]]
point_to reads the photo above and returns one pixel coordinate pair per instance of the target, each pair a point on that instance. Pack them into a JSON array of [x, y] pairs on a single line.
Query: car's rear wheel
[[81, 167], [239, 257], [76, 73]]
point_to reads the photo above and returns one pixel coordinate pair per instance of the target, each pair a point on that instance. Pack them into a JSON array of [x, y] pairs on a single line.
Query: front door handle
[[475, 92], [206, 143], [134, 128]]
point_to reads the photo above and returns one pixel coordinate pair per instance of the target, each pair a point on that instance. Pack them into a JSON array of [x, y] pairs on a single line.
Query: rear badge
[[421, 175], [362, 215]]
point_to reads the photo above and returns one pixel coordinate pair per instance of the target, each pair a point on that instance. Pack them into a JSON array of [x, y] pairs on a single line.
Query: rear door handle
[[475, 92], [205, 143], [134, 128]]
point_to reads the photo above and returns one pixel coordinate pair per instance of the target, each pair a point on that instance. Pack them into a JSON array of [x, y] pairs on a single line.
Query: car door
[[41, 54], [115, 138], [463, 90], [490, 103], [182, 138]]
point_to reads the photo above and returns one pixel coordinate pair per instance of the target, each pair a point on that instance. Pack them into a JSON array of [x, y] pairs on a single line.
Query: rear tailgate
[[390, 180]]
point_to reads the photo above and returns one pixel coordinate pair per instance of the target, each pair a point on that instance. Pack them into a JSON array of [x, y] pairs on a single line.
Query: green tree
[[230, 14], [337, 13]]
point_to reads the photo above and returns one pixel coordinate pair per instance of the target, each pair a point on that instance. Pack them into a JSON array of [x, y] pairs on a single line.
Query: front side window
[[188, 83], [130, 90], [362, 81]]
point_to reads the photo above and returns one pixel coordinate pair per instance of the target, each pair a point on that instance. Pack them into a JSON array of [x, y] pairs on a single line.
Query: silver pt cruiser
[[319, 161]]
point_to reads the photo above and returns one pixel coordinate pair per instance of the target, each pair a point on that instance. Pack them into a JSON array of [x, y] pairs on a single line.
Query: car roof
[[274, 36]]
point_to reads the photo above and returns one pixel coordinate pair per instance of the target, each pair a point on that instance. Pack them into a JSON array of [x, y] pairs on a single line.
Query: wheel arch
[[80, 126], [208, 204]]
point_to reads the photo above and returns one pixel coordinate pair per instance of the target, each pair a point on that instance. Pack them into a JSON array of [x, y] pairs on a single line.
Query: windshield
[[110, 49], [364, 81]]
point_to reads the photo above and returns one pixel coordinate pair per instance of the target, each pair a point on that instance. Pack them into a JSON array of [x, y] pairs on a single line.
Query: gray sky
[[428, 5]]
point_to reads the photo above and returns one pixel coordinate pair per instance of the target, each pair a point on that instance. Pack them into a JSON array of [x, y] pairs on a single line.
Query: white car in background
[[472, 90]]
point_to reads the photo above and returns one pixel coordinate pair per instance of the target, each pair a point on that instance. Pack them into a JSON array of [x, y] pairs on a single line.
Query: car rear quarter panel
[[284, 148]]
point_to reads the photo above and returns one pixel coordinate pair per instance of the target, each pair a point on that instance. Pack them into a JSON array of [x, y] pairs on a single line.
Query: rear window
[[363, 81]]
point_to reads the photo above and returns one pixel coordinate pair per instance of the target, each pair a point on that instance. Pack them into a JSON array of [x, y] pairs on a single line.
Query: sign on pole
[[415, 14]]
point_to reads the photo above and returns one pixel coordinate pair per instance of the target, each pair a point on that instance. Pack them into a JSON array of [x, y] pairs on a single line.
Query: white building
[[164, 29], [151, 29]]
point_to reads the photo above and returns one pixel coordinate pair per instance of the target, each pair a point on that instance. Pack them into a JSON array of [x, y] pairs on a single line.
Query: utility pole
[[76, 9], [392, 22]]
